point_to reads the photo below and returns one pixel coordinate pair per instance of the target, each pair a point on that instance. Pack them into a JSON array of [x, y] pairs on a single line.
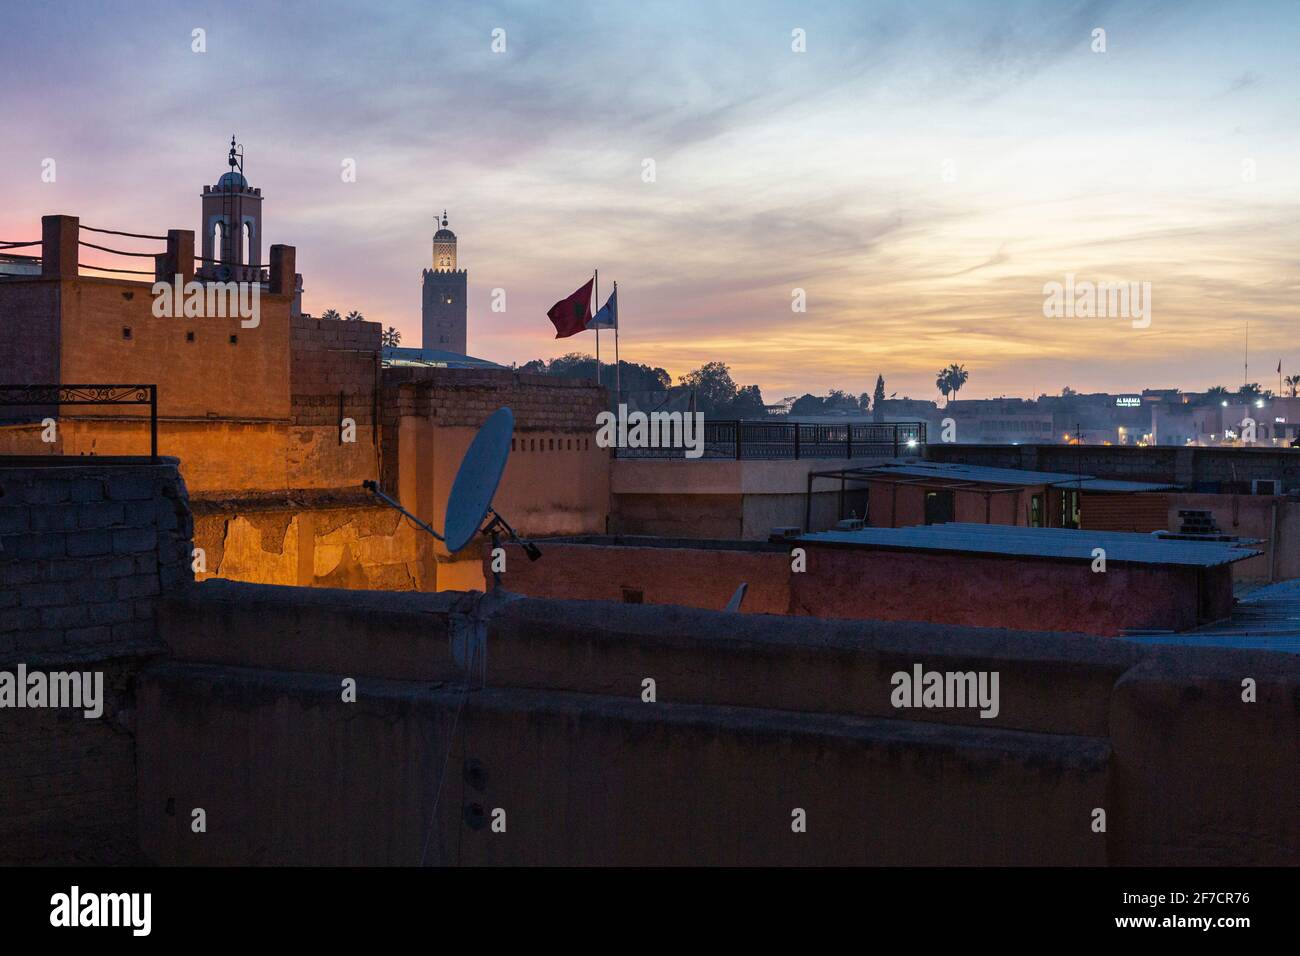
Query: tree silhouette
[[332, 314], [390, 337], [355, 316], [944, 383], [957, 376]]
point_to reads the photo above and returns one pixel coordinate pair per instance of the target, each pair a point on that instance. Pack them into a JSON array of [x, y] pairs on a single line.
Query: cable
[[119, 252], [133, 235], [451, 745], [134, 272], [6, 244]]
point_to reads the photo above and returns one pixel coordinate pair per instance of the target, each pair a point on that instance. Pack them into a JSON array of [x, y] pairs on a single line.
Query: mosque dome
[[232, 178]]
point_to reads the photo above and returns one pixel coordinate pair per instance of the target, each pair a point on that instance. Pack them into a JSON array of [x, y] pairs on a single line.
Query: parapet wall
[[555, 750], [857, 583], [1199, 469]]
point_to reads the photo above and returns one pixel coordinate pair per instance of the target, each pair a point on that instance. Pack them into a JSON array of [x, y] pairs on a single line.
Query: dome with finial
[[234, 178], [444, 234]]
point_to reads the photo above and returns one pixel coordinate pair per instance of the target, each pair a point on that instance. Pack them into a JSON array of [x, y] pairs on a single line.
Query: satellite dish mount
[[470, 501]]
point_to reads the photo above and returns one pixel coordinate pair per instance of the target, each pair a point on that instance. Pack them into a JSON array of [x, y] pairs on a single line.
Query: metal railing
[[795, 440], [43, 396]]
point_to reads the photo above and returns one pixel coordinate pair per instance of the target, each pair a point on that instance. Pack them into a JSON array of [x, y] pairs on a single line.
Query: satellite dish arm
[[373, 488], [499, 523]]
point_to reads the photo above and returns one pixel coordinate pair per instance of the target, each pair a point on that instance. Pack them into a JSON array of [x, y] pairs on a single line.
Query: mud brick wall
[[29, 329], [464, 398], [334, 374], [89, 545], [329, 357]]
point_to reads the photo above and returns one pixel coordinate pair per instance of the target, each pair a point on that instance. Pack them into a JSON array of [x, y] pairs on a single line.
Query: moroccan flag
[[570, 316]]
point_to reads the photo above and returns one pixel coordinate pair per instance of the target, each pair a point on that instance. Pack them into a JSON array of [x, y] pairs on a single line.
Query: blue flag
[[607, 317]]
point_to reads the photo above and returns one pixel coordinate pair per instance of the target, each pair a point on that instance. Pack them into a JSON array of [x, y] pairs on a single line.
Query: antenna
[[470, 501]]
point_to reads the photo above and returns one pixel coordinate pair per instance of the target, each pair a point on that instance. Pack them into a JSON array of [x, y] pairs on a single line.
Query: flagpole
[[618, 368], [596, 273]]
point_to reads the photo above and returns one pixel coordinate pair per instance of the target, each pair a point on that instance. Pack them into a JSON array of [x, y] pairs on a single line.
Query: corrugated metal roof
[[436, 358], [1056, 543], [1107, 484], [1011, 476], [1267, 618]]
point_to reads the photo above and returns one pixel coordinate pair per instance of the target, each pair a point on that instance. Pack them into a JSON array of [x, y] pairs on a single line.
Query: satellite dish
[[470, 501], [476, 481]]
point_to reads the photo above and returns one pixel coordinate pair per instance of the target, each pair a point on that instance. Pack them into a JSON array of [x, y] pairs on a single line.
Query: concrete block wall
[[89, 547], [87, 550]]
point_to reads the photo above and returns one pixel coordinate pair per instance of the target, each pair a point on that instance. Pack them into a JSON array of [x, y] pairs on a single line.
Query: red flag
[[570, 316]]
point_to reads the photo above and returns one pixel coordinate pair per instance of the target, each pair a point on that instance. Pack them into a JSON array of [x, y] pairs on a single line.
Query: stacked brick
[[87, 549], [453, 397], [465, 397], [332, 357]]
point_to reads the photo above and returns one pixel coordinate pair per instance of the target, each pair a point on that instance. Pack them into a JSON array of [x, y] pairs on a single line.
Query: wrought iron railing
[[795, 440], [44, 396]]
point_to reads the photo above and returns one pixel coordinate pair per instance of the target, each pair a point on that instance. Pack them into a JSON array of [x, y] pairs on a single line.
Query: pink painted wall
[[857, 584]]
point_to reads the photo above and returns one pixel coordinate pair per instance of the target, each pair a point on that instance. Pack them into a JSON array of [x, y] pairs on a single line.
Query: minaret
[[444, 311], [232, 225]]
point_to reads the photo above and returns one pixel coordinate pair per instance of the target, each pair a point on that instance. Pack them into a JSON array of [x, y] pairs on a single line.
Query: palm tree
[[355, 316], [390, 337], [957, 376], [331, 314], [1216, 394], [1250, 391], [1293, 383], [944, 383]]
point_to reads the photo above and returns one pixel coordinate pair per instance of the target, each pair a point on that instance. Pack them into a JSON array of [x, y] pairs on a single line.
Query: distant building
[[444, 310], [16, 265], [398, 357], [1000, 421]]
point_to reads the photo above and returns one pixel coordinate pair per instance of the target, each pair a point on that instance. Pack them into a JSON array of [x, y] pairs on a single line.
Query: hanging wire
[[134, 272], [446, 760], [118, 252], [4, 244], [133, 235]]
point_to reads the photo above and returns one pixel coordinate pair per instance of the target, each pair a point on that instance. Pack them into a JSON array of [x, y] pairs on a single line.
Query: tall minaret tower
[[444, 310], [232, 225]]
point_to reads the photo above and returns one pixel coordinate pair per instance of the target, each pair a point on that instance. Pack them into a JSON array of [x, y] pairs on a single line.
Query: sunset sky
[[1172, 158]]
